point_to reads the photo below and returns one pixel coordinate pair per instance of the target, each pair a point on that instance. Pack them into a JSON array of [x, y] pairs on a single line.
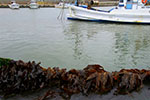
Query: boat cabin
[[33, 1], [131, 4]]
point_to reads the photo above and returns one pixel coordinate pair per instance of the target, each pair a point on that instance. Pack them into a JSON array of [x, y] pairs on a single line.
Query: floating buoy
[[144, 1]]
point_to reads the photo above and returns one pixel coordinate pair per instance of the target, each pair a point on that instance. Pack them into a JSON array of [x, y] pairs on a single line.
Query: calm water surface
[[38, 35]]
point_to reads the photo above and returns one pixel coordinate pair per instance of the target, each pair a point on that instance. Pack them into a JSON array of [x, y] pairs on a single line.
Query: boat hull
[[114, 15], [14, 6], [33, 6], [64, 7]]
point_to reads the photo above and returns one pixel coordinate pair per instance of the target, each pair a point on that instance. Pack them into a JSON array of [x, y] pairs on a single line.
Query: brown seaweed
[[48, 95], [17, 77]]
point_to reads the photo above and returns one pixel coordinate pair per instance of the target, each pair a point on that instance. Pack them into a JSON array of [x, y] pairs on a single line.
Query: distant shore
[[27, 6], [51, 5]]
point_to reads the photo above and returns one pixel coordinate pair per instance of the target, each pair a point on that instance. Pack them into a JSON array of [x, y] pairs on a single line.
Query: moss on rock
[[4, 61]]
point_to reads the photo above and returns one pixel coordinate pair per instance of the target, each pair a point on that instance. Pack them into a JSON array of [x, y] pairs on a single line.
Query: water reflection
[[115, 46], [132, 47], [121, 49], [74, 34], [79, 33]]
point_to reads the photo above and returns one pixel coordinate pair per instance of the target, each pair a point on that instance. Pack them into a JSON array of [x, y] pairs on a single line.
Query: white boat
[[14, 5], [62, 5], [33, 5], [127, 11]]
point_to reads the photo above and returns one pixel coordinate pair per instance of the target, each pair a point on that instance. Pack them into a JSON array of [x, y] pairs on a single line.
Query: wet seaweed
[[17, 77]]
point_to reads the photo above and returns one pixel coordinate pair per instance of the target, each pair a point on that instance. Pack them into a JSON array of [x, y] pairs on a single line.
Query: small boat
[[127, 11], [33, 5], [14, 5], [62, 5]]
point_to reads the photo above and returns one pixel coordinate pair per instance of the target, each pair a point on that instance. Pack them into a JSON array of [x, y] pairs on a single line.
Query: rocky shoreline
[[17, 77]]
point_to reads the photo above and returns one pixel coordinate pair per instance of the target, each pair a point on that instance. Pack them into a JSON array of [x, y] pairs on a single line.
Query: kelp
[[17, 77]]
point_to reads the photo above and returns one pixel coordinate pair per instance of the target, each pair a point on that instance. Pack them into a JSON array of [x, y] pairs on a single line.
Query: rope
[[61, 14]]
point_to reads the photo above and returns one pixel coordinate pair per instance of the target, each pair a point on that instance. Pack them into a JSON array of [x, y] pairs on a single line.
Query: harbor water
[[38, 35]]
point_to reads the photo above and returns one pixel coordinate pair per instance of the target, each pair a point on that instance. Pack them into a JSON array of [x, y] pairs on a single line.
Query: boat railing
[[85, 6]]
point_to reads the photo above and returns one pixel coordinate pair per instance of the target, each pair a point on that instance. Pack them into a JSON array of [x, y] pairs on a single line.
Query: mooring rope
[[61, 14]]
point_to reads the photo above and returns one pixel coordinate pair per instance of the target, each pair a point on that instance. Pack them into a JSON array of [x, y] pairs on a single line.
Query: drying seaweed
[[17, 77]]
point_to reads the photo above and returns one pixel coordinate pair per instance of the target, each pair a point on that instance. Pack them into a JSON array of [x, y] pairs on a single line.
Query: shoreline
[[27, 6], [101, 4]]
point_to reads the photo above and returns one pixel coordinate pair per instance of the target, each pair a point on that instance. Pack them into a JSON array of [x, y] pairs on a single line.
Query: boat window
[[129, 1], [121, 0], [135, 1]]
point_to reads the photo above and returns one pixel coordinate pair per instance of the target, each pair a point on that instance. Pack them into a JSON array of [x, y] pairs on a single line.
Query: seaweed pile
[[17, 77]]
